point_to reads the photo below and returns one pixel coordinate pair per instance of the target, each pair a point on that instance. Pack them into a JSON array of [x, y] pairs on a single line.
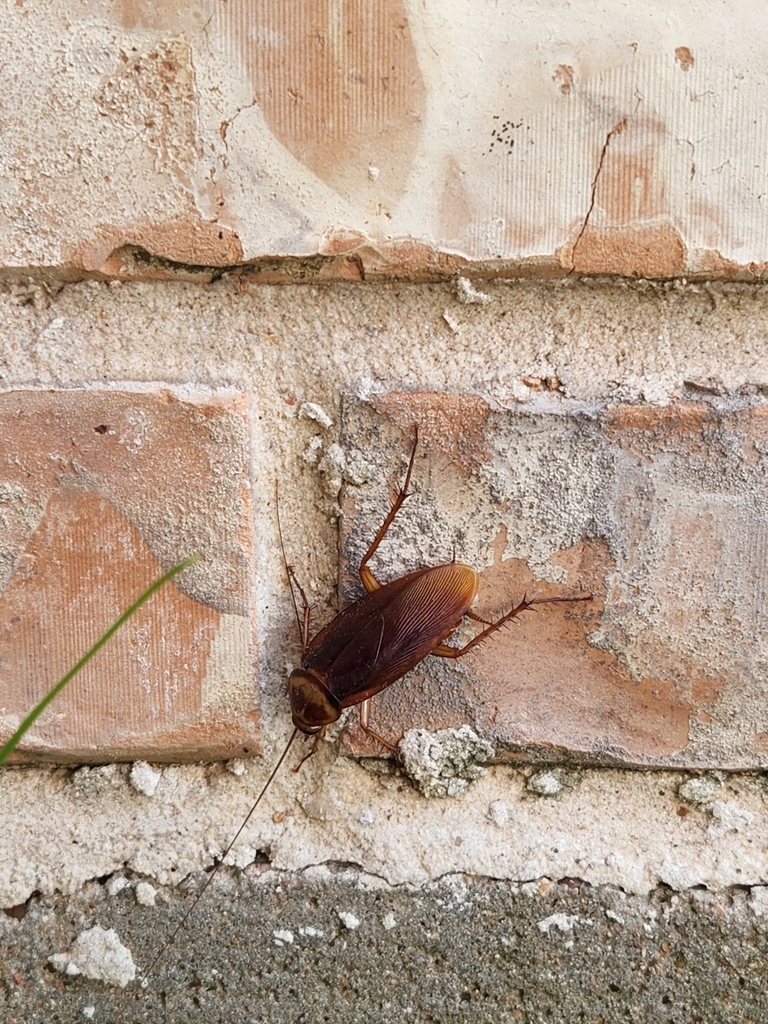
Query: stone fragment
[[443, 764], [98, 954]]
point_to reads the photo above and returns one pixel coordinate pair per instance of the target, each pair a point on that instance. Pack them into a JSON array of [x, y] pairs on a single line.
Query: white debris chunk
[[678, 876], [312, 933], [116, 884], [498, 813], [98, 954], [236, 766], [758, 901], [62, 962], [145, 894], [443, 763], [312, 411], [452, 322], [144, 778], [699, 790], [530, 889], [349, 920], [546, 783], [563, 923], [366, 816], [469, 295], [89, 1011], [241, 856], [281, 936], [389, 921]]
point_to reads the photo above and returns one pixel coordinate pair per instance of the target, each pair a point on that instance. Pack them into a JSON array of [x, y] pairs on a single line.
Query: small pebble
[[699, 790], [144, 778], [145, 894], [313, 411], [546, 783], [116, 884], [349, 920]]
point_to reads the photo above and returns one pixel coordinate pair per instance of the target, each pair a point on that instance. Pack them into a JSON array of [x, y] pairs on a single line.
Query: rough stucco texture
[[607, 140], [324, 369], [580, 432], [315, 362]]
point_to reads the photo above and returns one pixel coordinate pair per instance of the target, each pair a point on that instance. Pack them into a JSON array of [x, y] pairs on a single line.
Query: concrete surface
[[341, 947]]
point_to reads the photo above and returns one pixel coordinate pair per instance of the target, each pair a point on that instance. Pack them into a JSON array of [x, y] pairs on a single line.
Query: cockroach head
[[312, 704]]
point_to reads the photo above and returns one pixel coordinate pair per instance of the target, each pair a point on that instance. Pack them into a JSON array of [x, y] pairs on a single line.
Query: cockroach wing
[[382, 636]]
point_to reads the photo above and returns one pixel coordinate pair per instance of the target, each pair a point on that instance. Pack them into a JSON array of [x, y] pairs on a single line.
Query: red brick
[[658, 512], [100, 492]]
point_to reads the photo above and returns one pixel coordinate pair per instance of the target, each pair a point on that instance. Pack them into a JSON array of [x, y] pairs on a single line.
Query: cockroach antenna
[[371, 644], [171, 938], [302, 622]]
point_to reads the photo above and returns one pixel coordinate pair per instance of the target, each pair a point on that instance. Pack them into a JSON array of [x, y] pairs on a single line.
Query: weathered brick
[[100, 491], [660, 513], [346, 140]]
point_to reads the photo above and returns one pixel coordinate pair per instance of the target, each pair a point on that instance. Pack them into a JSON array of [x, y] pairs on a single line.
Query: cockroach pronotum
[[371, 644]]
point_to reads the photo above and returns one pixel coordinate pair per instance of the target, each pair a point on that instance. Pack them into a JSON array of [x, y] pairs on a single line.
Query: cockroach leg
[[365, 711], [316, 741], [306, 607], [369, 580], [477, 618], [446, 651]]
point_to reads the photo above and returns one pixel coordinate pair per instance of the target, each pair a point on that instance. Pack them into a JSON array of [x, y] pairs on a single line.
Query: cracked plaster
[[618, 143], [609, 828]]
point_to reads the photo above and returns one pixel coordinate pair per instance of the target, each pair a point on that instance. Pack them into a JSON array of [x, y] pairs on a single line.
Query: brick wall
[[241, 251]]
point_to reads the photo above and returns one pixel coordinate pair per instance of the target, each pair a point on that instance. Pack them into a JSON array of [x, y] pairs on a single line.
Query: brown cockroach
[[375, 640], [371, 644]]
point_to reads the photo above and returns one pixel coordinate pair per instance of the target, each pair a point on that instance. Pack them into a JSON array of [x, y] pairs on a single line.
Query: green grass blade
[[35, 713]]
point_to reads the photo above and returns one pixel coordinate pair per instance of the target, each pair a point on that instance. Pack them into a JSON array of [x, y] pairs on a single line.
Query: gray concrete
[[460, 949]]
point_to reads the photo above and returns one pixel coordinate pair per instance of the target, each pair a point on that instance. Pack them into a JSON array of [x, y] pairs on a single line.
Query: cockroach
[[371, 644]]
